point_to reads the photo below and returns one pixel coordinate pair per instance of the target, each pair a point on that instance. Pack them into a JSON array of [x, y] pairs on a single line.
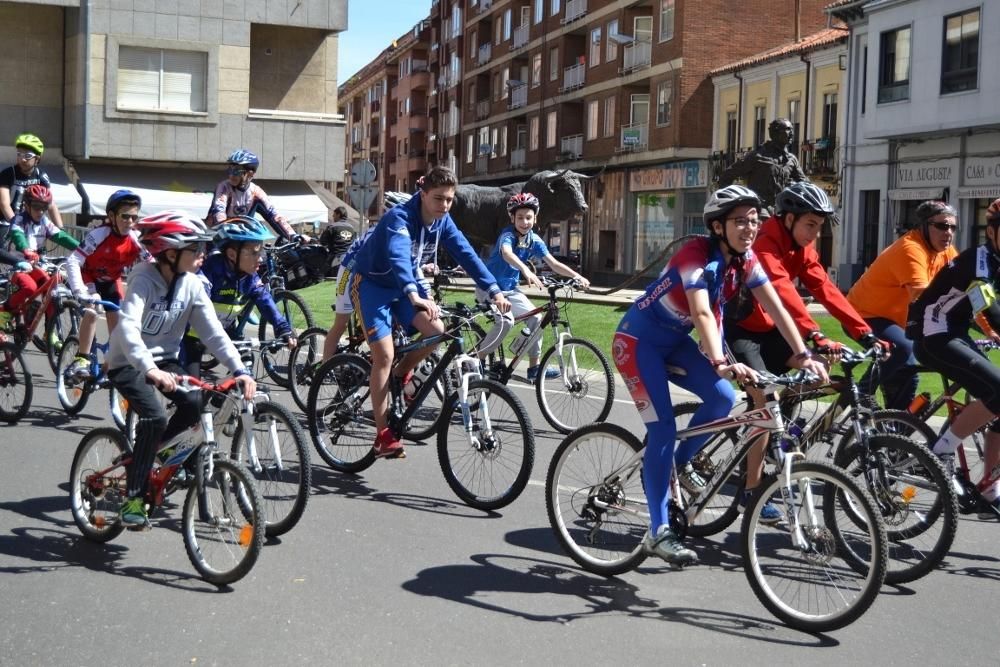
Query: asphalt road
[[390, 568]]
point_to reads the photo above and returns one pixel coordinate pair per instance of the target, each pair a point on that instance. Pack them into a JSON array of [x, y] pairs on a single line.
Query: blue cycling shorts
[[378, 305]]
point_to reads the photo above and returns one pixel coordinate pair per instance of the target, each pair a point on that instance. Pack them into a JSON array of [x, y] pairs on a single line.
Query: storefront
[[980, 186], [668, 203], [919, 181]]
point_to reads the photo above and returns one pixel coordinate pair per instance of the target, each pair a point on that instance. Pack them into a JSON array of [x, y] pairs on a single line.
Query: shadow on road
[[484, 581]]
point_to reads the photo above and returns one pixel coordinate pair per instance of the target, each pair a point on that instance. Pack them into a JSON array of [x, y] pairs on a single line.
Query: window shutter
[[184, 81], [138, 78]]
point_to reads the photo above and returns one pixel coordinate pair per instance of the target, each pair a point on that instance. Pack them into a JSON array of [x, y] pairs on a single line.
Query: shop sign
[[915, 194], [917, 174], [981, 171], [690, 174], [983, 192]]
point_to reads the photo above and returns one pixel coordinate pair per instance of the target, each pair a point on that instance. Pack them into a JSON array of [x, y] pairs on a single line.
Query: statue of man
[[769, 168]]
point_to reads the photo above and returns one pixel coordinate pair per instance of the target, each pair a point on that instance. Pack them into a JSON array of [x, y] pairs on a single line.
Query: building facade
[[923, 118]]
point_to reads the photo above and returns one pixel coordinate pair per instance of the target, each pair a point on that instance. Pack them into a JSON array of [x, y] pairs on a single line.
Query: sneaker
[[689, 478], [948, 462], [667, 546], [387, 447], [79, 369], [769, 513], [551, 373], [133, 513], [989, 509]]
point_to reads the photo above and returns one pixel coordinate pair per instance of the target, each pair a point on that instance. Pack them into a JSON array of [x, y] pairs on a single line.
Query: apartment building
[[923, 118], [154, 95], [802, 81]]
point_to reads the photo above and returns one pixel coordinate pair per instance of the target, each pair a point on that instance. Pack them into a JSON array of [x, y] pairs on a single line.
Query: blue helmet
[[244, 158], [119, 197], [242, 229]]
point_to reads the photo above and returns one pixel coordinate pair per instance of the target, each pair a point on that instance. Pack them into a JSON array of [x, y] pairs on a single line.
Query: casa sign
[[690, 174]]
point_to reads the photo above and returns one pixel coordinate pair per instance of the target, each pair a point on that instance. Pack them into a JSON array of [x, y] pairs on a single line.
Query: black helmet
[[804, 197]]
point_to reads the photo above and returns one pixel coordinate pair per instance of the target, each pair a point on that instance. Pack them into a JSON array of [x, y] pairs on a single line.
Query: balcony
[[482, 164], [634, 137], [820, 158], [573, 77], [417, 122], [636, 55], [357, 147], [485, 53], [376, 106], [420, 80], [483, 109], [518, 158], [485, 6], [518, 96], [520, 38], [574, 10], [571, 147]]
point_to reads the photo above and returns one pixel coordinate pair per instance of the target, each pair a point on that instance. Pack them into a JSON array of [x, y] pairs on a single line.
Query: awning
[[190, 190], [915, 194]]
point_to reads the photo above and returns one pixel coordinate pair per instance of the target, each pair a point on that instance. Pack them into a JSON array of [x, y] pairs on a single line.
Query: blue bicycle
[[73, 391]]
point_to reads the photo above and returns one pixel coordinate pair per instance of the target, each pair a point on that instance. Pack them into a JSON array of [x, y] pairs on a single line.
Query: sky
[[371, 26]]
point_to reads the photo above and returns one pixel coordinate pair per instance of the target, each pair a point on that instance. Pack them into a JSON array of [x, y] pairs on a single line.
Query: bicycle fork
[[468, 368]]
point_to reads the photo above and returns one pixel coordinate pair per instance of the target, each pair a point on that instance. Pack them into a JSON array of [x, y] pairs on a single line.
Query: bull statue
[[481, 211]]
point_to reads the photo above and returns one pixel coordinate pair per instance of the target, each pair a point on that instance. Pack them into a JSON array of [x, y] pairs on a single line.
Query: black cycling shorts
[[761, 351], [959, 360]]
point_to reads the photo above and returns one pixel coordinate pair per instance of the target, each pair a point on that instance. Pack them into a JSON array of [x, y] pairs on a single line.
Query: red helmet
[[522, 200], [172, 230], [38, 193]]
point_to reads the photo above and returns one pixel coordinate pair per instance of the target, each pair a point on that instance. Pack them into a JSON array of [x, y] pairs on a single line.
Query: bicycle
[[74, 392], [47, 297], [485, 442], [596, 507], [585, 388], [222, 522]]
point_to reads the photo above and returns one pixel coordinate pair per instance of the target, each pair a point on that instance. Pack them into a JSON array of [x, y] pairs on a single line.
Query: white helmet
[[726, 199]]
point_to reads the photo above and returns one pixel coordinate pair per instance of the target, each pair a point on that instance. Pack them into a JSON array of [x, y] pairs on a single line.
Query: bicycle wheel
[[118, 405], [97, 486], [65, 323], [72, 392], [895, 422], [915, 499], [224, 537], [492, 471], [282, 469], [15, 384], [596, 504], [296, 311], [426, 417], [722, 509], [302, 363], [339, 410], [801, 573], [583, 392]]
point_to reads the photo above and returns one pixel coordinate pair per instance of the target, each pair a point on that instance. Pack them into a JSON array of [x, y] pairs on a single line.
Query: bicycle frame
[[46, 289], [550, 318]]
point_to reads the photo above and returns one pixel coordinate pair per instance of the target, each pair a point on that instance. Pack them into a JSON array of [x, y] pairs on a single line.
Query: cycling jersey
[[230, 202], [102, 257], [908, 262], [26, 234], [945, 307], [230, 290], [525, 248], [784, 261], [12, 179]]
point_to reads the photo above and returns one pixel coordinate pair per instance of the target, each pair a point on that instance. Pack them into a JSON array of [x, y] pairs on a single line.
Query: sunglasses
[[128, 217], [196, 248], [237, 171], [944, 226], [38, 207], [26, 155]]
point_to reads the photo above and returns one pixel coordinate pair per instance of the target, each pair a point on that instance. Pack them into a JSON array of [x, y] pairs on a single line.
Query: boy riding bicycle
[[688, 295], [162, 299]]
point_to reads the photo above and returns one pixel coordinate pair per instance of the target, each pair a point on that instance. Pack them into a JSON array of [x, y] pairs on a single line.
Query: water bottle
[[420, 375], [919, 402], [518, 343], [791, 438]]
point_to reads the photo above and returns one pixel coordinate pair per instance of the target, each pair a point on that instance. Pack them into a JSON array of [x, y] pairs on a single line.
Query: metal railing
[[636, 56], [483, 109], [574, 76], [482, 163], [518, 96], [571, 146], [574, 10], [520, 38], [485, 53], [634, 137], [518, 158], [820, 157]]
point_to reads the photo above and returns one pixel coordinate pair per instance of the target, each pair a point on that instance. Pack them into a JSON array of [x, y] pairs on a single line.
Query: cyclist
[[384, 285], [939, 322], [14, 180], [162, 299], [511, 257], [28, 232], [238, 196], [95, 268], [785, 248], [231, 280], [896, 278], [689, 294]]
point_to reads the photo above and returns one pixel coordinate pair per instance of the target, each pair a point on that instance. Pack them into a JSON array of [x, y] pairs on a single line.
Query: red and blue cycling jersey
[[230, 201]]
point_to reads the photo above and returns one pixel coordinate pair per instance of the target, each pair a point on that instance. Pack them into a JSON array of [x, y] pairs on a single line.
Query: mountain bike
[[222, 522], [818, 570], [47, 299], [485, 443]]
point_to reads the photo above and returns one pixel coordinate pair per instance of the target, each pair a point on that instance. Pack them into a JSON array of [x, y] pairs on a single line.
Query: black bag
[[303, 266]]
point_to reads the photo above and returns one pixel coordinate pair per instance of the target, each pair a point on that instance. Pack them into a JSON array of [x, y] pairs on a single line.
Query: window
[[550, 129], [960, 58], [864, 81], [504, 78], [539, 10], [533, 133], [830, 117], [609, 117], [496, 86], [793, 115], [554, 63], [494, 141], [161, 80], [666, 20], [554, 8], [759, 119], [731, 132], [506, 25], [536, 70], [497, 30], [525, 15], [595, 47], [894, 66], [503, 140], [593, 107], [484, 141], [612, 52], [642, 28], [639, 108], [664, 102], [521, 137]]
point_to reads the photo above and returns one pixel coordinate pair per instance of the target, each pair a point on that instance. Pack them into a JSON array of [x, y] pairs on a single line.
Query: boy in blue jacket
[[384, 284]]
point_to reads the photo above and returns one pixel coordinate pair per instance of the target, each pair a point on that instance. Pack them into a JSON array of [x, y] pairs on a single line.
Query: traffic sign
[[361, 197], [362, 173]]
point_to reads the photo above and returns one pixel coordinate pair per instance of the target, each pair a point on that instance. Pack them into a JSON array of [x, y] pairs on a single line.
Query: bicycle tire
[[493, 473], [604, 541], [72, 393], [898, 422], [342, 431], [284, 473], [96, 500], [64, 323], [302, 363], [841, 592], [723, 508], [584, 391], [276, 364], [235, 531], [14, 376], [919, 506]]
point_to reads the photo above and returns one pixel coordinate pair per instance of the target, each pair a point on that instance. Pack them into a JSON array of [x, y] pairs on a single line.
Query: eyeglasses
[[196, 248], [38, 207], [743, 223], [237, 171], [252, 251], [128, 217], [26, 155], [944, 226]]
